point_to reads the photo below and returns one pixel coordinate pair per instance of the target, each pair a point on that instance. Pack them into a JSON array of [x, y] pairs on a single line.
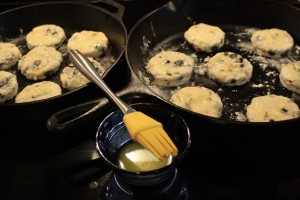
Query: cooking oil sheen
[[136, 158]]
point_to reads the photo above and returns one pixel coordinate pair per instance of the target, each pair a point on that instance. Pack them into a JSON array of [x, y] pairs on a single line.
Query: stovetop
[[37, 164]]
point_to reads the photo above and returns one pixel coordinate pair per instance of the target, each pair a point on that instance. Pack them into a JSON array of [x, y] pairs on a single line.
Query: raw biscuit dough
[[90, 43], [38, 91], [8, 86], [229, 69], [272, 42], [40, 62], [49, 35], [170, 68], [9, 55], [270, 108], [204, 37], [290, 76], [200, 100], [71, 78]]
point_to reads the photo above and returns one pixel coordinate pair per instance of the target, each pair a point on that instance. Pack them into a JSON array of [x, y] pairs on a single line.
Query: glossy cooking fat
[[236, 19], [16, 23], [164, 28]]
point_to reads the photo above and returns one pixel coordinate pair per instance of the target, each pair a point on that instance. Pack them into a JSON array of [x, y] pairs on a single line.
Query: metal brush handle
[[87, 69]]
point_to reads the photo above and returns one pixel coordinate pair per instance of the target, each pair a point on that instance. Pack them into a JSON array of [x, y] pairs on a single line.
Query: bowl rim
[[155, 171]]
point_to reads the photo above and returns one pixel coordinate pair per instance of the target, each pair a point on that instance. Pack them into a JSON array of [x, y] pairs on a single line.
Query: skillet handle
[[73, 117], [293, 3], [115, 9]]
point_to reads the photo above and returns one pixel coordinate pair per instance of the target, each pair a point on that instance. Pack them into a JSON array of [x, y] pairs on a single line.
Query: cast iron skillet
[[163, 29], [72, 17]]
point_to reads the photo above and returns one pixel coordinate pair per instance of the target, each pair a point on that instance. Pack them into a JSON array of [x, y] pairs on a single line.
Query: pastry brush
[[142, 128]]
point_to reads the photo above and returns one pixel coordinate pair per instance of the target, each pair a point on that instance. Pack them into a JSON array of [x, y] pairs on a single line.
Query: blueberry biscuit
[[290, 76], [270, 108], [229, 69], [204, 37], [90, 43], [8, 86], [71, 78], [200, 100], [38, 91], [9, 55], [45, 35], [40, 62], [272, 42], [170, 68]]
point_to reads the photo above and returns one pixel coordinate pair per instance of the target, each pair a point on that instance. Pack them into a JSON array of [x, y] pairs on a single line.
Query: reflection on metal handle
[[88, 70]]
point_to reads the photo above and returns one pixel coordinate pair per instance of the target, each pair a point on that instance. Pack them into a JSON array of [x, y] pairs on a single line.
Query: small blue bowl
[[112, 135]]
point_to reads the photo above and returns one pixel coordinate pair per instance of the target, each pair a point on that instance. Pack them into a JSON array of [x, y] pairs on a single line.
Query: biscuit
[[229, 69], [90, 43], [271, 108], [40, 62], [38, 91], [9, 55], [200, 100], [290, 76], [8, 86], [204, 37], [273, 42], [49, 35], [170, 68], [71, 78]]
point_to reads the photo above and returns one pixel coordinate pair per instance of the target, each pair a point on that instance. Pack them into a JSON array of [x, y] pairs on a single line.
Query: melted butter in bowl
[[130, 161], [134, 157]]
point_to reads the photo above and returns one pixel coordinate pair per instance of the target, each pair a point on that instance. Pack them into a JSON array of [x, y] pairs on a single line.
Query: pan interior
[[72, 17], [265, 78]]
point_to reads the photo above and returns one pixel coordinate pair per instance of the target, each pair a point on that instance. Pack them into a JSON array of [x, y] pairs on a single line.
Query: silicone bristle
[[150, 134], [158, 142]]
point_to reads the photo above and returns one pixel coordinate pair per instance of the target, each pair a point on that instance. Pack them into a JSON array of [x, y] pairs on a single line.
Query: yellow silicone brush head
[[150, 134]]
